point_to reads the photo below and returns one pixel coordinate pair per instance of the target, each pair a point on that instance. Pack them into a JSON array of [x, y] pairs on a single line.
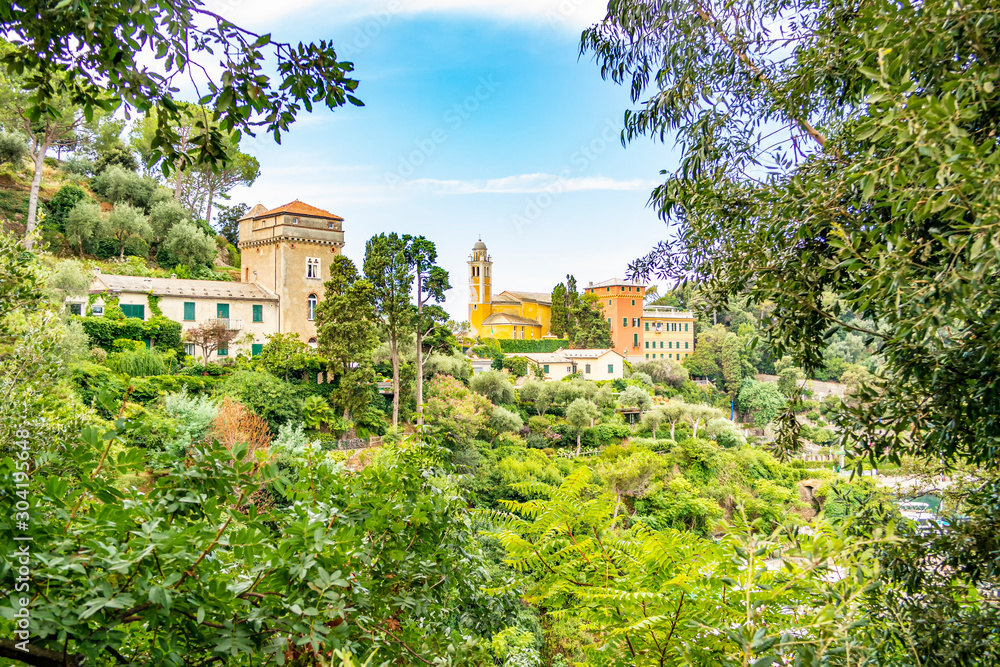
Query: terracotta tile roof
[[256, 211], [301, 208], [502, 319], [538, 297], [215, 289]]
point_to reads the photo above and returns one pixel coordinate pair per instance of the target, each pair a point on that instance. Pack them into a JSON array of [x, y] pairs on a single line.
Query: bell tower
[[480, 286]]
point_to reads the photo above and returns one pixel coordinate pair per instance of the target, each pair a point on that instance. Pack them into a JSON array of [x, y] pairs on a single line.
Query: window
[[609, 302], [661, 355], [312, 268], [609, 289], [313, 343], [647, 345], [311, 301], [647, 326], [685, 327], [97, 311], [75, 308], [545, 368], [569, 369], [223, 351], [661, 344], [189, 348], [670, 356], [222, 311], [295, 221], [586, 369], [330, 225], [624, 321], [633, 302], [255, 349], [647, 355], [611, 369], [609, 321], [189, 311], [685, 346], [635, 340], [258, 313], [134, 310], [670, 344]]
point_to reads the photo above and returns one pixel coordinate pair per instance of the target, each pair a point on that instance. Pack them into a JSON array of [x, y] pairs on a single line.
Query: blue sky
[[480, 120]]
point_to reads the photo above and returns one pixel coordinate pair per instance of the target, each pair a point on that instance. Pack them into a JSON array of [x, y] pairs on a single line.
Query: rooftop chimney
[[97, 270], [173, 276]]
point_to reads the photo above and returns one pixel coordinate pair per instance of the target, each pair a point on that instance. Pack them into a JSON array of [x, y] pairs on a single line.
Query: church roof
[[503, 319], [300, 208], [538, 297], [479, 245], [215, 289]]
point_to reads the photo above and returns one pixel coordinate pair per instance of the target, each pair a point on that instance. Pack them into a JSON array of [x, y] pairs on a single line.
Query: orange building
[[622, 302]]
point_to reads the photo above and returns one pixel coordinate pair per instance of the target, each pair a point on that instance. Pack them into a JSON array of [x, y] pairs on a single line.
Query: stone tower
[[288, 250]]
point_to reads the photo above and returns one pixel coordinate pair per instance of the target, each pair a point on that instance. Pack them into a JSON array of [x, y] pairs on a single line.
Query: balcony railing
[[228, 322]]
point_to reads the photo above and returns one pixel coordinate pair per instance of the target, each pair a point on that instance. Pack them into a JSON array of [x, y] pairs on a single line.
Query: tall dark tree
[[432, 281], [346, 326], [591, 329], [557, 322], [227, 221], [387, 268]]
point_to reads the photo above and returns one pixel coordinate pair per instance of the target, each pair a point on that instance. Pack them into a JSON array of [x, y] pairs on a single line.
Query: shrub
[[193, 415], [137, 363], [537, 424], [495, 386], [163, 333], [120, 185], [62, 203], [117, 155], [814, 415], [189, 245], [13, 148], [521, 346], [518, 366], [453, 409], [635, 397], [271, 398], [78, 166], [504, 421], [82, 222]]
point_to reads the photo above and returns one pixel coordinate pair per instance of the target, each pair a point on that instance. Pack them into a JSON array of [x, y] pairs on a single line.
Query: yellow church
[[514, 315]]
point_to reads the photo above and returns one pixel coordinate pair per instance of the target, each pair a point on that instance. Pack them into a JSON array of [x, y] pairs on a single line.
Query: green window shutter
[[685, 346], [258, 313], [633, 302], [189, 311], [222, 310], [609, 321], [223, 351], [647, 355], [545, 368], [611, 368], [647, 326], [624, 321], [134, 310], [685, 327], [255, 349], [670, 344], [587, 369], [635, 340]]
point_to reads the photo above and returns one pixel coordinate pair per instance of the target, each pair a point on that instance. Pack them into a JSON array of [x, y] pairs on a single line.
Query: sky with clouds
[[480, 120]]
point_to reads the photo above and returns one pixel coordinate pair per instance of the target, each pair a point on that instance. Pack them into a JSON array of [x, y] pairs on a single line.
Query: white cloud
[[568, 14], [530, 183]]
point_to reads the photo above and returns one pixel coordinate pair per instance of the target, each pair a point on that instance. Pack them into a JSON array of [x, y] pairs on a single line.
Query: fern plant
[[666, 597]]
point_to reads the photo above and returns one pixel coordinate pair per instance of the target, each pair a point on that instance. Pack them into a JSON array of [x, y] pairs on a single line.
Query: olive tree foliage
[[539, 393], [190, 244], [635, 397], [82, 223], [124, 222], [579, 415], [847, 150], [494, 385], [879, 186]]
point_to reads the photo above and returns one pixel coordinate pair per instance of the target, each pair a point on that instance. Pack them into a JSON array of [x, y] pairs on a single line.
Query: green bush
[[518, 366], [608, 434], [89, 379], [271, 398], [61, 204], [137, 363], [13, 148], [162, 333]]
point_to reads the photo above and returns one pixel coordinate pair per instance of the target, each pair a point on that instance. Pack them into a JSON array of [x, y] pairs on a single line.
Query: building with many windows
[[668, 333], [509, 314], [622, 302], [285, 261], [590, 364]]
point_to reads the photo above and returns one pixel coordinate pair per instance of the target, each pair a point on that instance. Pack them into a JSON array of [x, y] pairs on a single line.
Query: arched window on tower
[[312, 301]]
